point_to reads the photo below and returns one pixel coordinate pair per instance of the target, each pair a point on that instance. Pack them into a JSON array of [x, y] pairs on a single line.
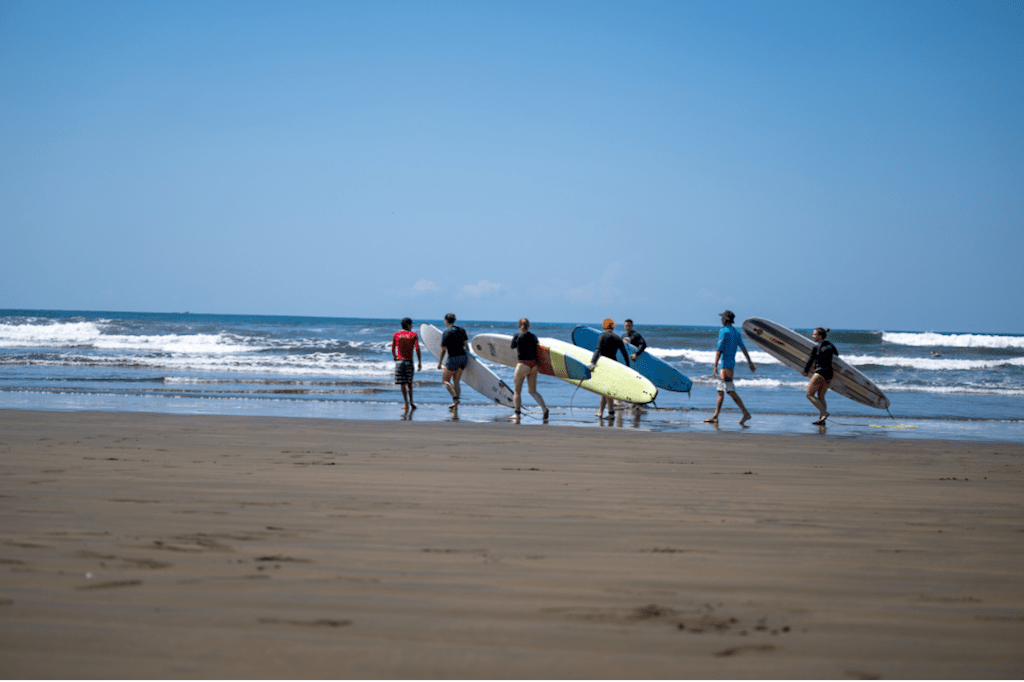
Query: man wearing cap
[[729, 339]]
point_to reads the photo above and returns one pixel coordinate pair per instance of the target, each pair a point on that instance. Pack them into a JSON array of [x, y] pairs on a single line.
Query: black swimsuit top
[[526, 345], [452, 341], [821, 359], [608, 345]]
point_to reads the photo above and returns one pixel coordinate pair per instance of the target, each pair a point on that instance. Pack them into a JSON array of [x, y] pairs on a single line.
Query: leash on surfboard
[[899, 424], [572, 410]]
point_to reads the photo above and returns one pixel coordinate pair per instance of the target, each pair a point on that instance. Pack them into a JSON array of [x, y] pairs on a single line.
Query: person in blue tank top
[[729, 341]]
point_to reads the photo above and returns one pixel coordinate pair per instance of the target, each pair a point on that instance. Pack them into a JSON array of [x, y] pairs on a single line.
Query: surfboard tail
[[560, 365]]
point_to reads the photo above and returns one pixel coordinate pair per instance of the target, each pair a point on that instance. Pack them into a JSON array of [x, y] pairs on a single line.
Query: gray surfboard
[[794, 350]]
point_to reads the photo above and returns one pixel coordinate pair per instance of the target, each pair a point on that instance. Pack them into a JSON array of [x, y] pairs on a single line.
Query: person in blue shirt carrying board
[[729, 340]]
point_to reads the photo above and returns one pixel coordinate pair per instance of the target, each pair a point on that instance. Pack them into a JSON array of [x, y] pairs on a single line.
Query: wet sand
[[163, 546]]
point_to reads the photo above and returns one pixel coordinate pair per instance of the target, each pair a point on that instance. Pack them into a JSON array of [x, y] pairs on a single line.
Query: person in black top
[[454, 343], [608, 345], [525, 343], [632, 336], [821, 360]]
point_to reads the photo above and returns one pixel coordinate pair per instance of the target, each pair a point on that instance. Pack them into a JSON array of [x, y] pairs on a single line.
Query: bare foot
[[713, 420], [599, 415], [746, 417]]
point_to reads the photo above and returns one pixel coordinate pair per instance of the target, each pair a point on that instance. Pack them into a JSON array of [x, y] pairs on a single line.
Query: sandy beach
[[153, 545]]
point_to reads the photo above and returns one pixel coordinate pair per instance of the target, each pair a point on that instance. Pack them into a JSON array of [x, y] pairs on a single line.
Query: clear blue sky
[[847, 164]]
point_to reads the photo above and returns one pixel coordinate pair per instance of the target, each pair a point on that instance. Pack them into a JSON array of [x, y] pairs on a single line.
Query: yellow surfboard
[[609, 378]]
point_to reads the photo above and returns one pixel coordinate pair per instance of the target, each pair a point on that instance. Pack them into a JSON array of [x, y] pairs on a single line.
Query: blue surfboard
[[659, 372]]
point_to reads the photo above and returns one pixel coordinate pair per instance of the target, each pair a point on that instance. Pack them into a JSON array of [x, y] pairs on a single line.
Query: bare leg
[[456, 377], [816, 388], [451, 382], [531, 382], [821, 398], [517, 399], [736, 398], [718, 408], [446, 377]]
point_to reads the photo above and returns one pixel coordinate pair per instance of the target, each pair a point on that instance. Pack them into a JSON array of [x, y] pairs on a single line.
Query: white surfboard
[[476, 375], [794, 350]]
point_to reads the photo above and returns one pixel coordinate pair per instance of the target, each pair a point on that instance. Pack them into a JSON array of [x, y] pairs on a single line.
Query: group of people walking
[[455, 347]]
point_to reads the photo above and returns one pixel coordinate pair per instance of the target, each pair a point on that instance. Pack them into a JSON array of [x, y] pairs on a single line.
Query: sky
[[846, 164]]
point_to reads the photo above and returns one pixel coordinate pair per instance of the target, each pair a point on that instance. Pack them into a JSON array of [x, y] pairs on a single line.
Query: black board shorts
[[403, 372]]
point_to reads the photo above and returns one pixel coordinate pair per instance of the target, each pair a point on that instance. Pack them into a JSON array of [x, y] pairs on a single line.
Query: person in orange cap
[[608, 345]]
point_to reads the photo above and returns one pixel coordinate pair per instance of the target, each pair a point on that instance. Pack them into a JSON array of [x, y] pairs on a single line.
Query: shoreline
[[154, 545], [687, 421]]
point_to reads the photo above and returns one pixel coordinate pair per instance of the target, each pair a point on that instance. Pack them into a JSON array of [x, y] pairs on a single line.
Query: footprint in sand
[[322, 623], [110, 585], [756, 649]]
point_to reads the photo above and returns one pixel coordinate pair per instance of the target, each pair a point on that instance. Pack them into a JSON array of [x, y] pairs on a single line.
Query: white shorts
[[726, 386]]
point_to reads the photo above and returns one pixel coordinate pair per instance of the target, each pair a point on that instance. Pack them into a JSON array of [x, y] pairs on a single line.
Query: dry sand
[[139, 545]]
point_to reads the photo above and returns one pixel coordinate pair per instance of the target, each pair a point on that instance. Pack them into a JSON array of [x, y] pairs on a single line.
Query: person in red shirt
[[402, 345]]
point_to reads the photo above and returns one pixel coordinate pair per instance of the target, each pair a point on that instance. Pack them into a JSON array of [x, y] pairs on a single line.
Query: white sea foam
[[888, 387], [90, 335], [709, 380], [315, 364], [186, 344], [932, 339], [706, 357], [959, 389], [60, 334], [931, 364]]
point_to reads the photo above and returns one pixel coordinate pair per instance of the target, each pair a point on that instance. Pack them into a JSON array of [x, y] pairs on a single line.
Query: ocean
[[956, 386]]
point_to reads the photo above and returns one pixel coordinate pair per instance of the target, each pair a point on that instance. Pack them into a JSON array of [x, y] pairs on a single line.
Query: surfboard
[[498, 347], [794, 350], [477, 375], [609, 378], [661, 374]]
